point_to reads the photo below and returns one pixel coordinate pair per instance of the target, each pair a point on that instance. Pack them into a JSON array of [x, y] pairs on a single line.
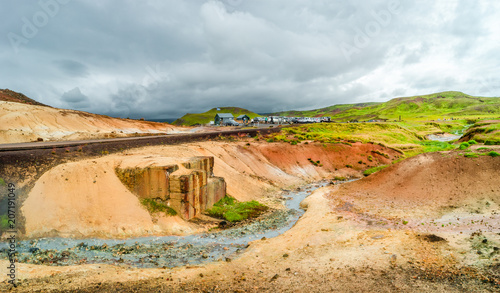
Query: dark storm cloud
[[72, 68], [75, 99], [160, 59]]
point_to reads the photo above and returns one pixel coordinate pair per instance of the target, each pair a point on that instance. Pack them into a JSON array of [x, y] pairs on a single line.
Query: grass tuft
[[374, 169], [154, 206], [464, 145], [230, 209]]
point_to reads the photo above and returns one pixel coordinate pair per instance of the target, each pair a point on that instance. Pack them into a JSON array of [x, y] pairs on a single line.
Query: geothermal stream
[[445, 137], [164, 251]]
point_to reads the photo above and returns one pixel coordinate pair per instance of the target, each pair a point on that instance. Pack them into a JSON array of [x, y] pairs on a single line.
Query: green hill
[[204, 118], [433, 106]]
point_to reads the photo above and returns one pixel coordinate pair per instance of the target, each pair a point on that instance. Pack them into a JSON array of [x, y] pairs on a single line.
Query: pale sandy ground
[[26, 123]]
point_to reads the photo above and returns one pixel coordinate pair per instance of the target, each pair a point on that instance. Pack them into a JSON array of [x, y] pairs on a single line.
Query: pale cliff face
[[26, 123]]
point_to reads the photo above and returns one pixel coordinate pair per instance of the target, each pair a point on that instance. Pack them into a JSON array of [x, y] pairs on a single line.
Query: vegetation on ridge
[[487, 132], [12, 96], [426, 107], [191, 119]]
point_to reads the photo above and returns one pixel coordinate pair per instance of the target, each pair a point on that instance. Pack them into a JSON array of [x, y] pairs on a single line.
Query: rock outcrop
[[188, 187]]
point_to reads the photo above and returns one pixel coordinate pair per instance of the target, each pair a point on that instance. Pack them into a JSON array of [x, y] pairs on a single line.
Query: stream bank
[[165, 251]]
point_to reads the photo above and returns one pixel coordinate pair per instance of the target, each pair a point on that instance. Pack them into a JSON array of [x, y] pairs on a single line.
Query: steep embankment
[[20, 122], [487, 131], [86, 198], [427, 186]]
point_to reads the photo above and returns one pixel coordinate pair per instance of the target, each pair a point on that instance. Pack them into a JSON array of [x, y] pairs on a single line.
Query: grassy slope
[[204, 118], [434, 106], [407, 137], [484, 131], [327, 111]]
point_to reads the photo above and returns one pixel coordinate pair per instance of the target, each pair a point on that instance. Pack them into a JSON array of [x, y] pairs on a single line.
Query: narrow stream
[[445, 137], [165, 251]]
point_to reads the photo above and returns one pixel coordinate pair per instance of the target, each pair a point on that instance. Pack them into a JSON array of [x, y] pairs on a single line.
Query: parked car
[[231, 123]]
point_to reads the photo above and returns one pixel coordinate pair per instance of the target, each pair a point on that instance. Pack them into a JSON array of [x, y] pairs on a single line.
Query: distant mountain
[[433, 106], [191, 119], [12, 96]]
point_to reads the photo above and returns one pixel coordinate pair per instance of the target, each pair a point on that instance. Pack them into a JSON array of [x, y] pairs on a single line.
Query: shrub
[[491, 142], [483, 149], [370, 158], [472, 142], [348, 166], [464, 145], [2, 182], [493, 154], [471, 155]]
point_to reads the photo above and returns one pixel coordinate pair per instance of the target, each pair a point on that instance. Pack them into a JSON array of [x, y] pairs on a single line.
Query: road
[[148, 140]]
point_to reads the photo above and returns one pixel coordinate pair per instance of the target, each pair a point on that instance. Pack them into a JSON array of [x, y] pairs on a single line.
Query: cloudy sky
[[164, 58]]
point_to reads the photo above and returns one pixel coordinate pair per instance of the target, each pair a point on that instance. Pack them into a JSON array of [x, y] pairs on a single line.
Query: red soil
[[428, 184]]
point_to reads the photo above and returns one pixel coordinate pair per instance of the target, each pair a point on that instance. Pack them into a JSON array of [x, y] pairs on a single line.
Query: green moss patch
[[231, 210], [154, 206], [464, 145], [374, 169]]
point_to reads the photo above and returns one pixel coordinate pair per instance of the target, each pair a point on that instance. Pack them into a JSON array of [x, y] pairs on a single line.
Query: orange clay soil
[[86, 198], [364, 236]]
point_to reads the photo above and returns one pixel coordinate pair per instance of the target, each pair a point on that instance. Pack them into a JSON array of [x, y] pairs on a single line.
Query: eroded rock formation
[[188, 187]]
